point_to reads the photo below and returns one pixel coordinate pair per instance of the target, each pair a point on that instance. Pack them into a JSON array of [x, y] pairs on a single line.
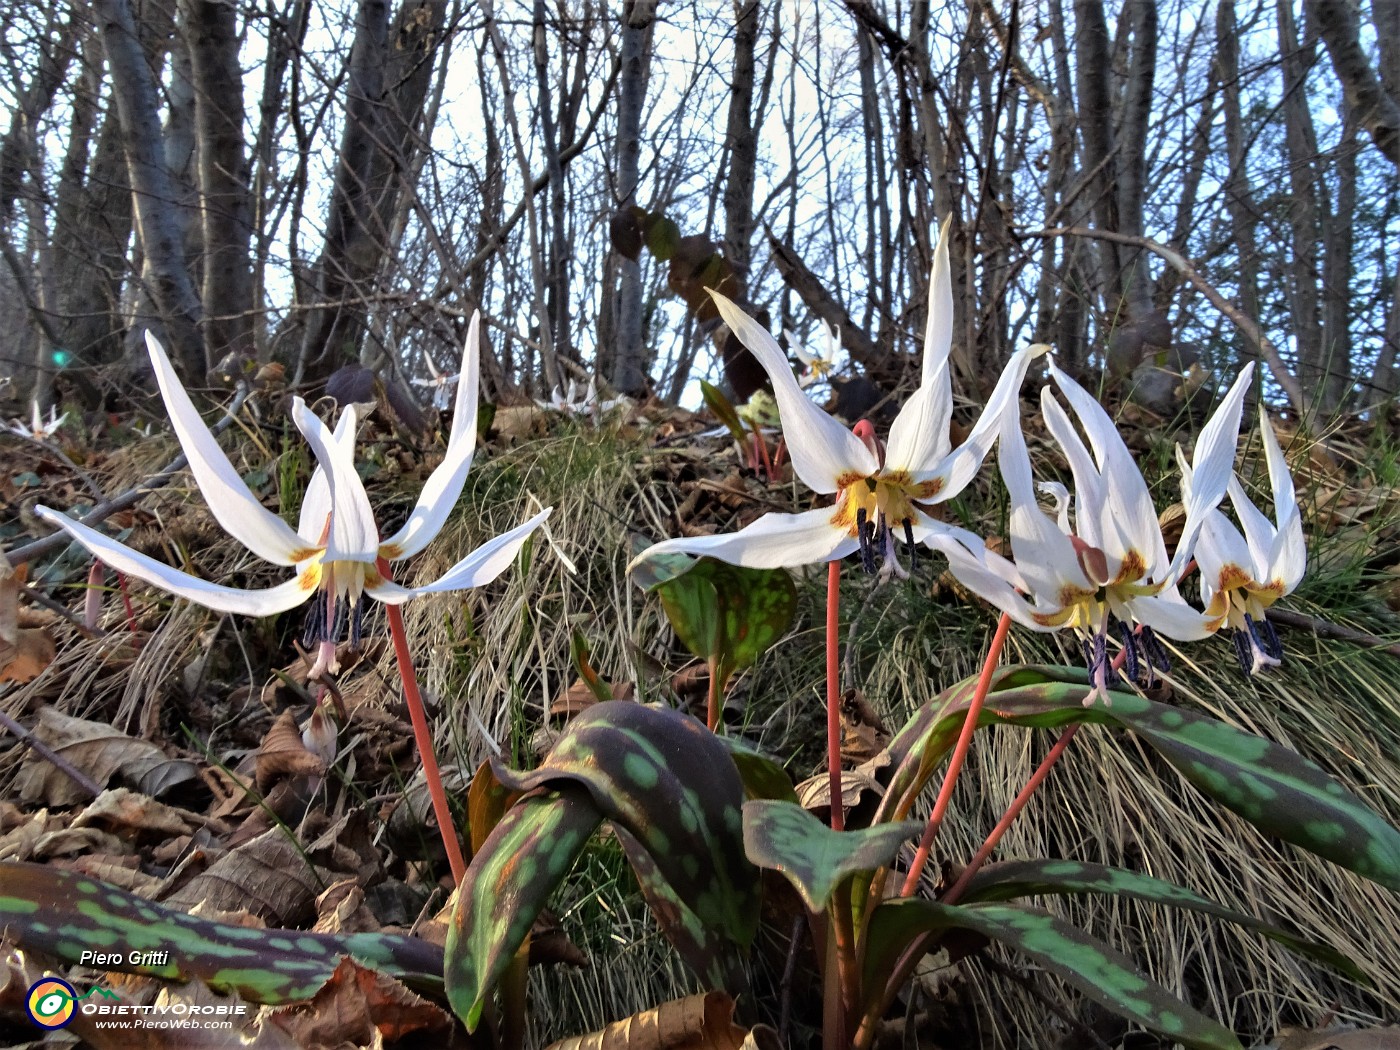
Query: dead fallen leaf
[[697, 1022], [282, 753], [268, 876], [360, 1007], [102, 753], [133, 815], [1342, 1039], [24, 651]]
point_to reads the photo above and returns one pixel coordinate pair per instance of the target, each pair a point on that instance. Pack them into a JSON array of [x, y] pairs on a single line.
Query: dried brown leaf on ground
[[282, 753], [1355, 1039], [102, 753], [131, 815], [697, 1022], [24, 650], [362, 1008], [268, 876]]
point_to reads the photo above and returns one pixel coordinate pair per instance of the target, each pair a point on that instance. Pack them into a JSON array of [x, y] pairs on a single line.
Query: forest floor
[[208, 745]]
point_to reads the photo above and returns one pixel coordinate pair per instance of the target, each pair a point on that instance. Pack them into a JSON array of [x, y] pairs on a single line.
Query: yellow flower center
[[885, 499]]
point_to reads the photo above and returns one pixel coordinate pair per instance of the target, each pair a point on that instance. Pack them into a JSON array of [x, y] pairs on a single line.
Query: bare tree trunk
[[1238, 198], [92, 223], [630, 366], [154, 191], [1337, 240], [225, 200], [1301, 144], [1373, 102], [741, 145]]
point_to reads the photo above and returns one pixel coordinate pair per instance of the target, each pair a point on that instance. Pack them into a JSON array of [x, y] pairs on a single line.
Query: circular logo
[[50, 1002]]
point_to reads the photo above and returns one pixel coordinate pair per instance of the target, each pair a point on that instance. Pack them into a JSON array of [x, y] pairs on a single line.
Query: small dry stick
[[47, 753]]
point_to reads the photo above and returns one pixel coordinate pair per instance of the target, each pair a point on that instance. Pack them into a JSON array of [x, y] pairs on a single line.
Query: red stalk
[[955, 764], [833, 691], [423, 737]]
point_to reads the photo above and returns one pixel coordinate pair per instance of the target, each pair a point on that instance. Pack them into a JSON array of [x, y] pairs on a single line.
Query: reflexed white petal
[[1044, 554], [210, 595], [444, 486], [919, 438], [235, 508], [1280, 480], [1218, 546], [468, 385], [822, 450], [963, 463], [1127, 516], [315, 508], [479, 567], [1259, 531], [1212, 466], [1289, 557], [938, 335], [796, 348], [1168, 614], [774, 541], [1090, 496], [354, 535], [980, 574]]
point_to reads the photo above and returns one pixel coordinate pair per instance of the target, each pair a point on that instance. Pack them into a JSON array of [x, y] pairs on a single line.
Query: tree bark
[[630, 365], [1374, 103], [225, 200], [153, 190]]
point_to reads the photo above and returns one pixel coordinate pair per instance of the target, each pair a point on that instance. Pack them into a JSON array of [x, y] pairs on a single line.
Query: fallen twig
[[52, 757], [1326, 629]]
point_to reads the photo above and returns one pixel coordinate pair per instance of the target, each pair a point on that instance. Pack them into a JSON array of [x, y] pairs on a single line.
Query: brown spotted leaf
[[63, 914], [508, 882]]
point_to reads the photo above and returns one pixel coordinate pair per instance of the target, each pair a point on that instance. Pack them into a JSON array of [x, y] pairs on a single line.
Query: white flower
[[579, 401], [1107, 561], [881, 490], [335, 550], [1242, 575], [36, 429], [816, 368], [441, 383]]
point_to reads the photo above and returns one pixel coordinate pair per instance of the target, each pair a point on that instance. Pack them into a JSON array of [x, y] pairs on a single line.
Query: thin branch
[[1182, 265]]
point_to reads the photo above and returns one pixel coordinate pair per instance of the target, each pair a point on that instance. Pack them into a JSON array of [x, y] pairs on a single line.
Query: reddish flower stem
[[130, 610], [955, 764], [1018, 803], [833, 691], [1012, 812], [423, 737]]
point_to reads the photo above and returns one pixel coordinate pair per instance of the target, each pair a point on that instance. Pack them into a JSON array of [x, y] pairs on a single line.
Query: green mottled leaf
[[508, 882], [762, 777], [1275, 789], [1038, 878], [724, 411], [784, 837], [1096, 969], [716, 959], [64, 913], [729, 614], [663, 777], [658, 568]]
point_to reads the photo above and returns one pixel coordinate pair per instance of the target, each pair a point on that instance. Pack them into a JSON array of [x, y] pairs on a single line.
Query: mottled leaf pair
[[672, 794]]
